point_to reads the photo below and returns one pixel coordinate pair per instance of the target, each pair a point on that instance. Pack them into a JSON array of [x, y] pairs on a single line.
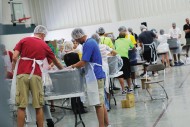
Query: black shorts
[[147, 56], [126, 69]]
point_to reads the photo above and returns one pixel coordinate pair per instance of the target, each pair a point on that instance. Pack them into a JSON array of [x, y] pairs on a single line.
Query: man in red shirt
[[32, 52]]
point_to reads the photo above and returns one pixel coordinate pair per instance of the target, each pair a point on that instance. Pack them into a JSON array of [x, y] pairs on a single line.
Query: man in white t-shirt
[[175, 32]]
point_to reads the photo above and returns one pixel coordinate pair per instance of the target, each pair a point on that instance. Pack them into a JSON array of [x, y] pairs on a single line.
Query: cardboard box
[[130, 96], [130, 103], [144, 86], [124, 103]]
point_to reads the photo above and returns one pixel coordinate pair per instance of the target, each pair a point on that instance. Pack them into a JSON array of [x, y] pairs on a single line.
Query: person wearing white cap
[[28, 73], [104, 40], [92, 61]]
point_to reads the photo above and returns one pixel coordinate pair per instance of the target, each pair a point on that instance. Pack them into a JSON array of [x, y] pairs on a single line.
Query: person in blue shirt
[[91, 53]]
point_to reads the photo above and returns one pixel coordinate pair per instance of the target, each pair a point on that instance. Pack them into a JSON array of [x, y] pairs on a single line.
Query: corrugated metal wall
[[130, 9], [58, 14]]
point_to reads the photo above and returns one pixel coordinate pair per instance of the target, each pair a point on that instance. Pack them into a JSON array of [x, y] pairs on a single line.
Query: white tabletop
[[116, 75], [57, 97]]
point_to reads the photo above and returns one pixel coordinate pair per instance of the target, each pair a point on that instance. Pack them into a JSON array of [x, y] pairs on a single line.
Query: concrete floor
[[158, 113], [174, 112]]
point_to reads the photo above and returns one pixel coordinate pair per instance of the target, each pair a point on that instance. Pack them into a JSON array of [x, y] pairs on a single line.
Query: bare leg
[[145, 68], [121, 81], [167, 60], [21, 117], [100, 115], [187, 51], [40, 117], [106, 121], [163, 60], [175, 57], [178, 57], [133, 76], [52, 108], [129, 82]]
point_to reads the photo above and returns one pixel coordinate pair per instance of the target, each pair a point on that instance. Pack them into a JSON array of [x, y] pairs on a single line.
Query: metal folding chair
[[155, 68]]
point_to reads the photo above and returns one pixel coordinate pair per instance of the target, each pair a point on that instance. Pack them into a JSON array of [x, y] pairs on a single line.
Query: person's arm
[[179, 31], [15, 58], [133, 39], [110, 43], [185, 29], [79, 64], [57, 63], [132, 46], [179, 36], [114, 53]]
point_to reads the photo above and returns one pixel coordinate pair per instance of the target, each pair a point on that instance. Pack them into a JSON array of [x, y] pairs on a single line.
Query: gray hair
[[100, 30], [68, 46], [122, 29], [40, 30], [173, 23], [77, 33], [130, 29], [96, 37], [161, 32]]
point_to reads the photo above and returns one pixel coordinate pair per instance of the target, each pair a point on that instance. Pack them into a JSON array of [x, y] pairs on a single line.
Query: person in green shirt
[[134, 69], [122, 46], [104, 40]]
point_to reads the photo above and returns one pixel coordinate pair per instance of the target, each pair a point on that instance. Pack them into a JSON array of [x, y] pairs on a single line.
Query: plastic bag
[[106, 70], [115, 64], [133, 56], [162, 48]]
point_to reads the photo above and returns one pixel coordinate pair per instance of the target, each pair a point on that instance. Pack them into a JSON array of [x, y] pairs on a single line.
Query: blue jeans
[[106, 100]]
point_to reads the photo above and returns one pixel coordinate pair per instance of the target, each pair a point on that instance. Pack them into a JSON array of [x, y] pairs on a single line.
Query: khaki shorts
[[24, 85], [101, 91]]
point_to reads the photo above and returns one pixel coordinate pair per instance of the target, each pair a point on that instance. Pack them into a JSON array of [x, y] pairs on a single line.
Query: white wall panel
[[149, 8], [57, 14]]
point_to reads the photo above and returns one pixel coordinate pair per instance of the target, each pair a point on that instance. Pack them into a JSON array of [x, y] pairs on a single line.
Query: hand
[[49, 67], [69, 67]]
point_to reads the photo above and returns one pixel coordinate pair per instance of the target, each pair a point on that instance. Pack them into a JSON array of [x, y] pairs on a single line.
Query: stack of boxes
[[144, 86], [129, 102]]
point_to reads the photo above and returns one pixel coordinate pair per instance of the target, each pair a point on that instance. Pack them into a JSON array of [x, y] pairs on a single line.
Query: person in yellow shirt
[[77, 48], [128, 35], [104, 40]]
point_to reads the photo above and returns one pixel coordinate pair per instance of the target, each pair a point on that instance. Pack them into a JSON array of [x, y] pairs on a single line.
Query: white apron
[[91, 84], [13, 86], [152, 47], [29, 110]]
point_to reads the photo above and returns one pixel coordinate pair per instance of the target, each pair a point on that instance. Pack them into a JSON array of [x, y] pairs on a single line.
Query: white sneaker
[[130, 90], [109, 126], [155, 74]]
